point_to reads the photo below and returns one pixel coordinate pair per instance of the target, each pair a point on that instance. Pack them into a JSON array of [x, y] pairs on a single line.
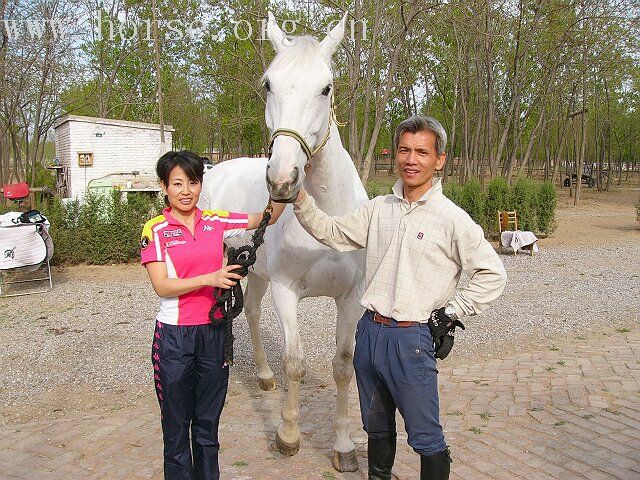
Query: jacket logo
[[175, 242], [207, 228], [420, 235], [144, 242], [10, 253], [172, 233]]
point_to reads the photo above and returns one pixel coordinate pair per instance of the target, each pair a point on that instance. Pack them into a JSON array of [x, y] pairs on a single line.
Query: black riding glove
[[442, 330]]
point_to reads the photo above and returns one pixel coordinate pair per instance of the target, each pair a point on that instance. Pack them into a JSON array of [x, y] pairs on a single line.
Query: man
[[417, 244]]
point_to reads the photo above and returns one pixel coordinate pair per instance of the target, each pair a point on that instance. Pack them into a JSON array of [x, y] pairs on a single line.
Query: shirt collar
[[436, 188], [172, 221]]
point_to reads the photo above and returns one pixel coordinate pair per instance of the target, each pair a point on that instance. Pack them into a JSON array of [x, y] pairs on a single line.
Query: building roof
[[109, 121]]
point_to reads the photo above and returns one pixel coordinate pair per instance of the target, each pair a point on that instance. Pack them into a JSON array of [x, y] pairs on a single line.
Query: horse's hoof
[[345, 462], [267, 384], [288, 449]]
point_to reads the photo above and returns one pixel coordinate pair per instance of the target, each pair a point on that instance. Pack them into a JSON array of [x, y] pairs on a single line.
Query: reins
[[231, 301]]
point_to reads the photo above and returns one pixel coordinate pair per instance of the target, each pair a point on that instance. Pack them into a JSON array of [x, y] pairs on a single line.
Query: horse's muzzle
[[284, 192]]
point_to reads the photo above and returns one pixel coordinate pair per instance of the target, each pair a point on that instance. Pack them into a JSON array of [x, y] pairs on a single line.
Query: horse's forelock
[[304, 51]]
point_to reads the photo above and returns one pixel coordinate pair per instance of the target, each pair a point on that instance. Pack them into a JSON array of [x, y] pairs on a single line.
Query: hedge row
[[100, 230], [534, 201], [105, 229]]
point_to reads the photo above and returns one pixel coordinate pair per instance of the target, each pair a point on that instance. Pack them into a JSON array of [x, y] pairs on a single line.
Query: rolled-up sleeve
[[482, 264], [345, 233]]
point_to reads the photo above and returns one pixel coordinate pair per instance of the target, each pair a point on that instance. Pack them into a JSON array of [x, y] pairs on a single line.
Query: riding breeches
[[396, 369]]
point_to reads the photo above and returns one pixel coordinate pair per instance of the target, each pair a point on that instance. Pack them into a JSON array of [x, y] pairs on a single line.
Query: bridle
[[300, 139]]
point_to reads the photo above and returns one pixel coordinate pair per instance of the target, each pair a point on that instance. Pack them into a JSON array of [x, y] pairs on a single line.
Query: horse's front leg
[[285, 303], [256, 288], [349, 312]]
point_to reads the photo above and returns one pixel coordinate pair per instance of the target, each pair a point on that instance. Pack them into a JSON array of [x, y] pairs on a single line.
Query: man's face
[[417, 159]]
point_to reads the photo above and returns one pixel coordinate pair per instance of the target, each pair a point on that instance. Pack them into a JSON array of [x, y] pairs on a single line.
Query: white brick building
[[105, 153]]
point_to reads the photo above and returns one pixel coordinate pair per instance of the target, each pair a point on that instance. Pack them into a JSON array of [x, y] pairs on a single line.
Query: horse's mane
[[300, 54]]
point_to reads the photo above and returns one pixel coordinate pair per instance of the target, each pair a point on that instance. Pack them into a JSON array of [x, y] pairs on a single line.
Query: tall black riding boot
[[436, 466], [382, 453]]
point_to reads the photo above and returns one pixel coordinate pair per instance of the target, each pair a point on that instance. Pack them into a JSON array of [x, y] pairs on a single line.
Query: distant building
[[101, 154]]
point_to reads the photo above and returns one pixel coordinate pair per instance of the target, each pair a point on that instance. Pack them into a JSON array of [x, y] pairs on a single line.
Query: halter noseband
[[300, 139]]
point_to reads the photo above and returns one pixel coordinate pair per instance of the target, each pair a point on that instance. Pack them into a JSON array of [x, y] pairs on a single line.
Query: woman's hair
[[190, 163]]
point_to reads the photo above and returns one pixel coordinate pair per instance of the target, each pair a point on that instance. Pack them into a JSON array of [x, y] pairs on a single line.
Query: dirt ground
[[601, 218]]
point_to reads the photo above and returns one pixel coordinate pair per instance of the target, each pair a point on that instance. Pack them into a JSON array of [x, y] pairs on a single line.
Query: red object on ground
[[16, 191]]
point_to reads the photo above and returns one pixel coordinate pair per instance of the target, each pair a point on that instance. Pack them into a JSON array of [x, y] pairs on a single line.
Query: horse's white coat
[[295, 264]]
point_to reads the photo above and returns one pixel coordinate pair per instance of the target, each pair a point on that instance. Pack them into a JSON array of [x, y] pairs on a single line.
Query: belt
[[382, 320]]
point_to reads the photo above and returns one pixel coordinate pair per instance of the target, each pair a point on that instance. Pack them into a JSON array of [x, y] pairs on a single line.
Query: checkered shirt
[[415, 253]]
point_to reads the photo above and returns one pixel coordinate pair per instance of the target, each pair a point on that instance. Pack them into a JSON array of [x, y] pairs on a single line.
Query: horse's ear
[[278, 38], [333, 38]]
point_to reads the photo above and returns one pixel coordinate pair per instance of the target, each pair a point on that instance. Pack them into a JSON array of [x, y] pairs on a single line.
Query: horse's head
[[299, 86]]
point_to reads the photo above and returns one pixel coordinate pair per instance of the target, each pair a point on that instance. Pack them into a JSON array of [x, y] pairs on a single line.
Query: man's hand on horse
[[301, 194]]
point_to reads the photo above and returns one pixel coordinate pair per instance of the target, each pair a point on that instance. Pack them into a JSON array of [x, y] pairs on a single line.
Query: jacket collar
[[436, 188], [173, 221]]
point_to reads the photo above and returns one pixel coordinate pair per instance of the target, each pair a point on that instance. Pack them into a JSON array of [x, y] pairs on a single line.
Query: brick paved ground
[[570, 411]]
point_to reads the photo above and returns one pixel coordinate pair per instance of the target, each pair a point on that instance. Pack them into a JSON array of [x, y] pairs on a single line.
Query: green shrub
[[522, 198], [534, 201], [44, 177], [473, 202], [99, 230], [497, 199], [453, 192], [546, 208], [376, 188]]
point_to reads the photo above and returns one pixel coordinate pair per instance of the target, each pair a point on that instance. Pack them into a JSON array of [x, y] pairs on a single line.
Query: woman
[[182, 250]]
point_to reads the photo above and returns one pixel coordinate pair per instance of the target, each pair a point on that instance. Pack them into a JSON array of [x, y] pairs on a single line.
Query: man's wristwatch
[[450, 311]]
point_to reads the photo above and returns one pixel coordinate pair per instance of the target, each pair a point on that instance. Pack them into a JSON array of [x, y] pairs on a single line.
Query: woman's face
[[182, 192]]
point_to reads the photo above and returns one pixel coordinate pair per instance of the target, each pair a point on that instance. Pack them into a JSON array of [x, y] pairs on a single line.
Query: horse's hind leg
[[349, 312], [256, 288]]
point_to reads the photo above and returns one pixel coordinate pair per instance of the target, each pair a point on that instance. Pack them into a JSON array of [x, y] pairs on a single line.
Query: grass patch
[[559, 423], [240, 464], [475, 430], [580, 337], [485, 415], [588, 416], [561, 363], [328, 476], [614, 412], [623, 330], [456, 413], [553, 348], [550, 369]]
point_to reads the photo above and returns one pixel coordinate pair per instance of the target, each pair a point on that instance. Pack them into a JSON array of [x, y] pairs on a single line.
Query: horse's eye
[[326, 90], [267, 85]]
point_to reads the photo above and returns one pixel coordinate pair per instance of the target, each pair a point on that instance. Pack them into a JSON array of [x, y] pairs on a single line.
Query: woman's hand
[[223, 278]]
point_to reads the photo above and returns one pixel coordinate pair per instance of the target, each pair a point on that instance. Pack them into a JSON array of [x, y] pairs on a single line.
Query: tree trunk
[[157, 48]]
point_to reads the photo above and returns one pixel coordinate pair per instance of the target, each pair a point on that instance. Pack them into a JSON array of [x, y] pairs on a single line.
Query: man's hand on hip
[[442, 330]]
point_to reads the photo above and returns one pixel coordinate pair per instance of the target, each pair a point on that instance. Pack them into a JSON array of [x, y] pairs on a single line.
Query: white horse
[[299, 113]]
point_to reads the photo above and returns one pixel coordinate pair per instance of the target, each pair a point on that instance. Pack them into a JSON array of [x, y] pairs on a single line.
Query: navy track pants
[[191, 384], [396, 369]]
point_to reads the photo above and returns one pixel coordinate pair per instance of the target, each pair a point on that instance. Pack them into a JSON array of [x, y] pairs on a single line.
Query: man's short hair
[[421, 123]]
